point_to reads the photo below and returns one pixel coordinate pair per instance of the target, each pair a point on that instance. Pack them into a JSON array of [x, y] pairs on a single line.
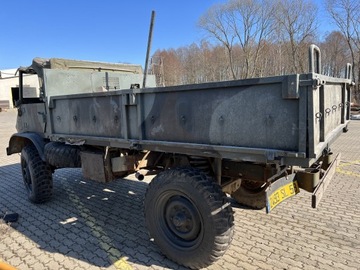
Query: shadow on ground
[[101, 224]]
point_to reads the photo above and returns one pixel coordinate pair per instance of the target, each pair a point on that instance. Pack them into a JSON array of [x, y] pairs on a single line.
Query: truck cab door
[[31, 106]]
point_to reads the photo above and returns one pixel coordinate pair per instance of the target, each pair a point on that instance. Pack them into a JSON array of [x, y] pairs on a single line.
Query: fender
[[19, 140]]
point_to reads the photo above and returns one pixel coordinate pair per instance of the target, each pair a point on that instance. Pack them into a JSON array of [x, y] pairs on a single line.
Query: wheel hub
[[182, 218], [179, 220]]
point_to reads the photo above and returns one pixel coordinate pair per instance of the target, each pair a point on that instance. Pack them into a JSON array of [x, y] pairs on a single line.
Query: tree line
[[257, 38]]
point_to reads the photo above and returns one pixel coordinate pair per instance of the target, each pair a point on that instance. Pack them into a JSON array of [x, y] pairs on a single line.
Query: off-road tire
[[61, 155], [188, 216], [37, 175], [253, 197]]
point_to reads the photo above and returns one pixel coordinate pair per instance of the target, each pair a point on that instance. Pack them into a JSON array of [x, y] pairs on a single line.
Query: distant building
[[9, 87]]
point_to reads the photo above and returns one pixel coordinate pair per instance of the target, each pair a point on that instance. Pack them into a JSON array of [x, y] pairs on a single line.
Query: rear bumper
[[324, 182]]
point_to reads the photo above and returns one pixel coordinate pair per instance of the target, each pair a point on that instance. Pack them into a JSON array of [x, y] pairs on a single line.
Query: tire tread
[[215, 198], [42, 184]]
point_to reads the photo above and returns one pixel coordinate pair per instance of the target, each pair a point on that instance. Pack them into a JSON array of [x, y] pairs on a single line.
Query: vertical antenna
[[149, 47]]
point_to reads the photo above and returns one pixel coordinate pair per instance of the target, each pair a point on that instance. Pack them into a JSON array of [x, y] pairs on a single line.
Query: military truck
[[211, 145]]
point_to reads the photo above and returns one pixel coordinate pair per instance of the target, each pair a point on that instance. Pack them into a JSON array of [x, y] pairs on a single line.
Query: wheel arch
[[19, 140]]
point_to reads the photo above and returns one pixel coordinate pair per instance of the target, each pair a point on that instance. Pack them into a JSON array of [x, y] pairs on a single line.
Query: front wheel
[[37, 175], [188, 216]]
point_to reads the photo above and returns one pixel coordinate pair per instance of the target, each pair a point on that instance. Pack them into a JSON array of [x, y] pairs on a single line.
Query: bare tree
[[296, 27], [335, 54], [346, 15], [167, 67], [243, 24], [252, 23], [216, 23]]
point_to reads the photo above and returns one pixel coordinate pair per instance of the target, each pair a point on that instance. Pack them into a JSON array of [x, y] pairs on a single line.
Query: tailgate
[[328, 112]]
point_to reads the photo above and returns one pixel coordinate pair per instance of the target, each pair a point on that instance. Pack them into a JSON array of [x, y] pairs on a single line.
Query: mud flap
[[280, 190], [324, 182]]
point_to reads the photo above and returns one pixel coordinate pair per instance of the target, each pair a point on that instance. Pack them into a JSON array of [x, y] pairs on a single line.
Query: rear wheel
[[251, 194], [37, 175], [188, 216]]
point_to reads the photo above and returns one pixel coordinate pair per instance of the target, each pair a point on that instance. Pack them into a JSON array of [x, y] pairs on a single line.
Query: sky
[[106, 30]]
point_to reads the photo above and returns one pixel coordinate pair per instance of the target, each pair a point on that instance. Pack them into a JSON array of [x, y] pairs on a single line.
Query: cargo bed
[[289, 118]]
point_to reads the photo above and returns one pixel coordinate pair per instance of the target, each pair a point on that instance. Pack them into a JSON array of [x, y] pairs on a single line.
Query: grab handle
[[314, 59], [348, 71]]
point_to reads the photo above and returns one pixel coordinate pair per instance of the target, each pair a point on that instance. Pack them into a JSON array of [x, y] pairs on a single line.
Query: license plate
[[280, 190]]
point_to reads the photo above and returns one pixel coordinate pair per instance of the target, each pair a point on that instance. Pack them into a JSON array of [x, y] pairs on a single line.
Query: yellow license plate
[[282, 193]]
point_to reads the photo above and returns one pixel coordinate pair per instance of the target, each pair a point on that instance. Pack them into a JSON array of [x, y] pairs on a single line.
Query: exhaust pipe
[[140, 175]]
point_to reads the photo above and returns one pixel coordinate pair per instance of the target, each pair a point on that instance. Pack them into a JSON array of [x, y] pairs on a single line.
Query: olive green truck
[[255, 140]]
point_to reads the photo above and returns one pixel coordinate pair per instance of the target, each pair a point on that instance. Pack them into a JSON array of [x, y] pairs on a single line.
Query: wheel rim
[[180, 220], [26, 175]]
